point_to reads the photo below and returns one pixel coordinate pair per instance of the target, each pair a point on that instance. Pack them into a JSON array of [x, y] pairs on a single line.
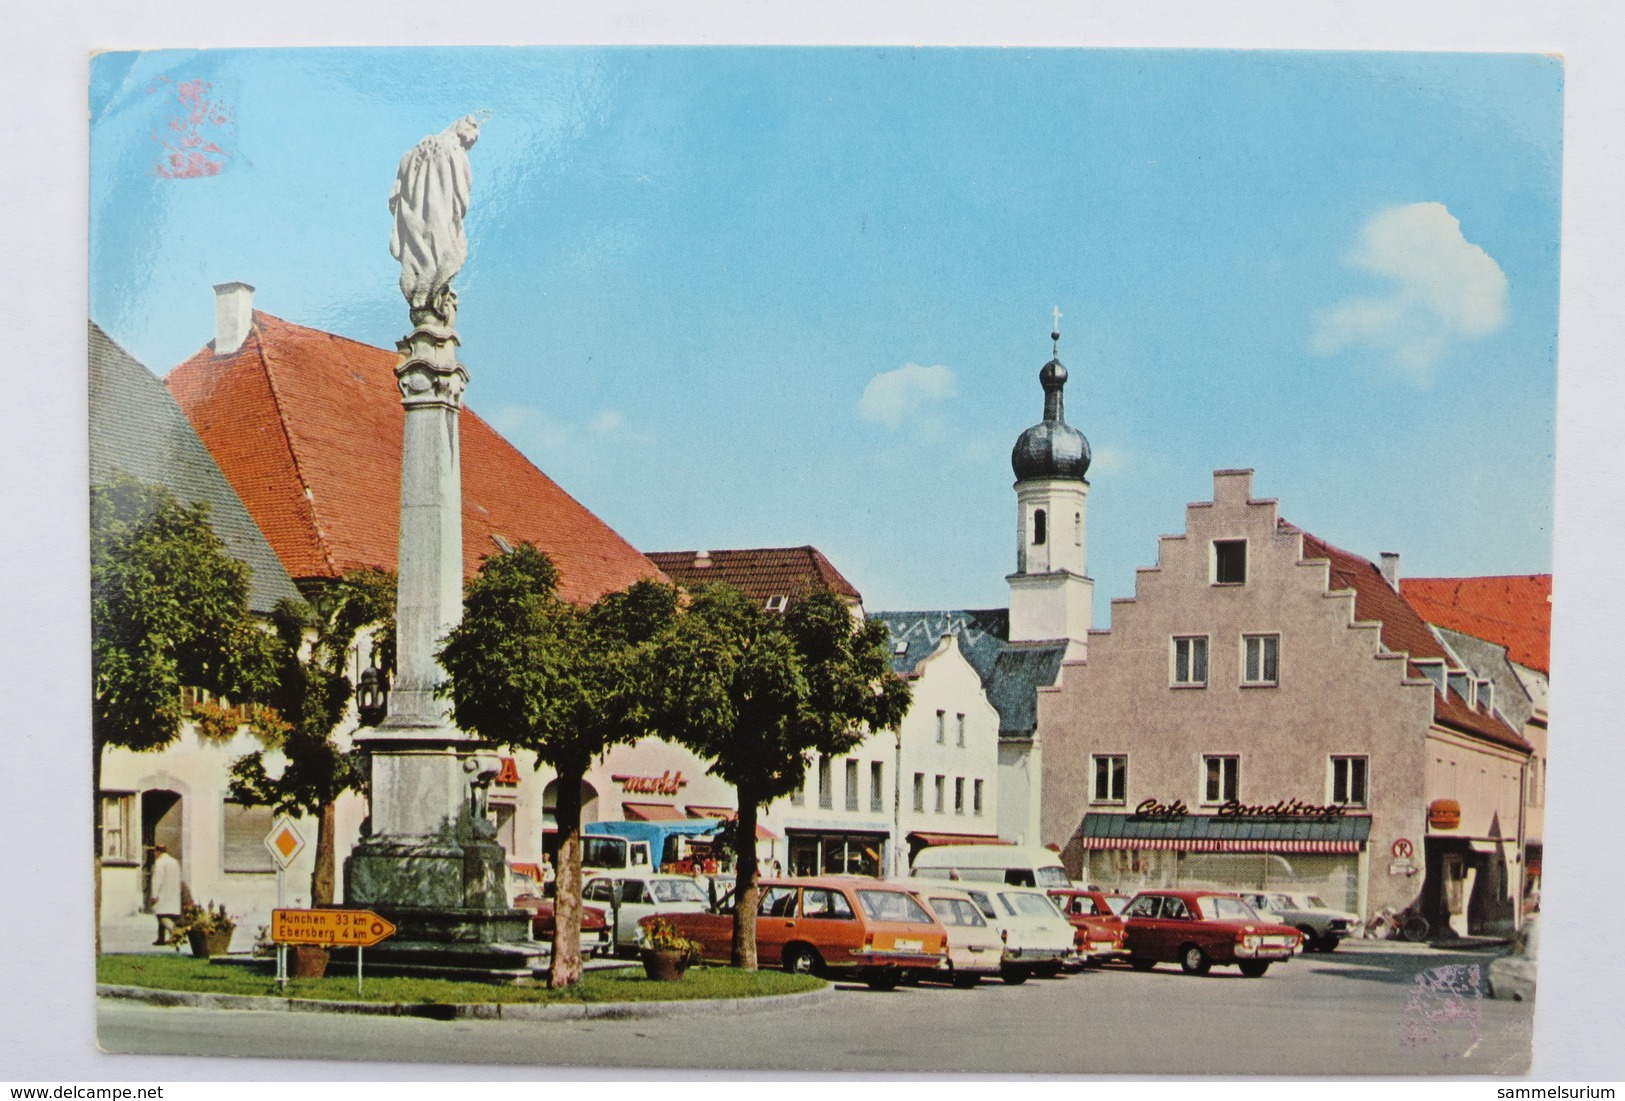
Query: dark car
[[1202, 929], [594, 923]]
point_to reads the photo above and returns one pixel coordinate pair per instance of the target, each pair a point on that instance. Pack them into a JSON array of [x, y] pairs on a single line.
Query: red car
[[1199, 929], [1098, 931], [594, 924]]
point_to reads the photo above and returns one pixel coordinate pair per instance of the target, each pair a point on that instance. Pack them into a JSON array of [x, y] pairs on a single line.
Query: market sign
[[333, 928], [508, 774], [1444, 814], [666, 783]]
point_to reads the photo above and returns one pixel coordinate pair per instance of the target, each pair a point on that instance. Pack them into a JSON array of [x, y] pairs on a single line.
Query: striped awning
[[1209, 833]]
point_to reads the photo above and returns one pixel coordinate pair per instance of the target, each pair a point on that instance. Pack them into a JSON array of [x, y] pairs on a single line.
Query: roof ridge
[[308, 497]]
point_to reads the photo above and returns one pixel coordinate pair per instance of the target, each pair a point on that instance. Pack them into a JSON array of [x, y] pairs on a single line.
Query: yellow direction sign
[[340, 928]]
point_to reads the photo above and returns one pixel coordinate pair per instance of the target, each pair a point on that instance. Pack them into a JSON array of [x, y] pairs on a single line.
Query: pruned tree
[[758, 693], [312, 693], [531, 671]]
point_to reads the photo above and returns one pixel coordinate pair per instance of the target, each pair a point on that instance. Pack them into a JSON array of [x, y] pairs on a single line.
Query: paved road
[[1343, 1013]]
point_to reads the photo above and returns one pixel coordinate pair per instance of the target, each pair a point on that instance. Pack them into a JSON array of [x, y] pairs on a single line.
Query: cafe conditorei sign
[[1285, 808]]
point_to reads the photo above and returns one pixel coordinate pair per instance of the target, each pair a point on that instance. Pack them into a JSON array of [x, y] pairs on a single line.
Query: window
[[1175, 908], [1261, 659], [1349, 781], [1040, 527], [942, 727], [1219, 779], [1144, 906], [245, 830], [777, 603], [877, 785], [976, 797], [1229, 561], [778, 902], [798, 797], [829, 905], [959, 795], [1190, 662], [1111, 779], [118, 828], [919, 792], [959, 721], [825, 798], [1077, 529], [851, 784], [942, 788]]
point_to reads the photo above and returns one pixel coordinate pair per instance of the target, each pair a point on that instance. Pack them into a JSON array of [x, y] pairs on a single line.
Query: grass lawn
[[181, 972]]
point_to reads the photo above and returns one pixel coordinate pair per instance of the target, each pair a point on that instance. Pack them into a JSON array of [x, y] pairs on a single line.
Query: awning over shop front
[[926, 840], [1211, 833], [728, 814], [652, 812]]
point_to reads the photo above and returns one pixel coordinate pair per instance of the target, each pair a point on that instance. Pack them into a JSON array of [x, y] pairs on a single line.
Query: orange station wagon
[[836, 926]]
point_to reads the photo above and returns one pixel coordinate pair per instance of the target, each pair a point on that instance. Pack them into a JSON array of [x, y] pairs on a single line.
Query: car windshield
[[1224, 908], [677, 890], [1053, 877], [983, 903], [1037, 906], [892, 906]]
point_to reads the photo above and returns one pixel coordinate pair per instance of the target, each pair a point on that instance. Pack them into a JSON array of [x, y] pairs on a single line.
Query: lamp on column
[[372, 696]]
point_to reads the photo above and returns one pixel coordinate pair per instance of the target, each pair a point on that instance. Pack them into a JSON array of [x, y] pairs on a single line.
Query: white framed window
[[1229, 561], [942, 727], [1349, 779], [959, 795], [1261, 660], [877, 785], [1111, 778], [243, 848], [1190, 662], [976, 798], [942, 791], [851, 783], [119, 844], [1221, 778], [959, 724], [919, 792]]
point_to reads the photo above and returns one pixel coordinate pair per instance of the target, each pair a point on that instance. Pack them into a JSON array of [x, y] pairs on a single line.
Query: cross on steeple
[[1055, 334]]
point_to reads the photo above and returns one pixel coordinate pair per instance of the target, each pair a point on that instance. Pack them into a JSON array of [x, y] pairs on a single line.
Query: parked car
[[594, 923], [975, 948], [843, 927], [1097, 930], [1513, 975], [628, 899], [1202, 929], [1037, 939], [1016, 865], [1322, 927], [1118, 901]]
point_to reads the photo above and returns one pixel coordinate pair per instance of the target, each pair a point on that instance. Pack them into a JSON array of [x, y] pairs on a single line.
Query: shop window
[[1111, 778], [942, 791], [119, 829], [1229, 561], [1261, 659], [877, 785], [919, 793], [976, 798], [1220, 779], [959, 795], [942, 727], [851, 784], [1190, 662], [245, 831], [826, 798], [1349, 781]]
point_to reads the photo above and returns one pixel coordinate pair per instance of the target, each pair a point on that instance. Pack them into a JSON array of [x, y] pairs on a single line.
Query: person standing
[[166, 892]]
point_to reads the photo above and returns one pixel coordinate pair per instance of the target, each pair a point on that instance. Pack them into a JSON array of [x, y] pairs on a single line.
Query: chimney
[[702, 560], [233, 314], [1390, 569]]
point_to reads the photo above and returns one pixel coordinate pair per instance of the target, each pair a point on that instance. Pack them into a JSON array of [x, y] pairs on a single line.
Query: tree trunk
[[323, 877], [566, 968], [745, 890]]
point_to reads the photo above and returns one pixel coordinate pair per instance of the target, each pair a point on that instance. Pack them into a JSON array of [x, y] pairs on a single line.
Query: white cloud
[[893, 395], [609, 423], [1444, 289]]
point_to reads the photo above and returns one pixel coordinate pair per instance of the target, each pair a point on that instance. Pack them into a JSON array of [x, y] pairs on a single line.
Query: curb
[[473, 1011]]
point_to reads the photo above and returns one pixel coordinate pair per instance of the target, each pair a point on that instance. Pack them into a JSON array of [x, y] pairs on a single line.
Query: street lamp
[[372, 696]]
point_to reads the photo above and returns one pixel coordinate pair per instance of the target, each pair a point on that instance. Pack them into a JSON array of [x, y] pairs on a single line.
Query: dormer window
[[1486, 695], [1433, 671], [1459, 684], [1229, 561], [777, 603], [900, 647]]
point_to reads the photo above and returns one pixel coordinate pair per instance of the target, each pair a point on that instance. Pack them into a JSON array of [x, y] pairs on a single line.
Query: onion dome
[[1051, 448]]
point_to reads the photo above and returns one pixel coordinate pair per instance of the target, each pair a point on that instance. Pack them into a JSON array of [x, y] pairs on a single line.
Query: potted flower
[[207, 929], [666, 952]]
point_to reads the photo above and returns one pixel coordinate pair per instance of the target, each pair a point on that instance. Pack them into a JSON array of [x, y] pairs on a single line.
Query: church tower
[[1051, 595]]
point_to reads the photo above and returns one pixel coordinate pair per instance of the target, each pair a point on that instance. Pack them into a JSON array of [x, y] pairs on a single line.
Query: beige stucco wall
[[1337, 692]]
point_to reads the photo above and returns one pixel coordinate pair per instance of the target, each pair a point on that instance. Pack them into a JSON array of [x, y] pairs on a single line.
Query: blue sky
[[689, 267]]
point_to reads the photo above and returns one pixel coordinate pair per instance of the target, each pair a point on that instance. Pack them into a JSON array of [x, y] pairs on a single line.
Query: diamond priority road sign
[[284, 842], [336, 928]]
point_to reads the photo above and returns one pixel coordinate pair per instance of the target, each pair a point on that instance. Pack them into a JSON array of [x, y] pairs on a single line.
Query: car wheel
[[1141, 963], [1193, 960], [1254, 969], [1329, 944], [1015, 976], [884, 980], [802, 959], [964, 980], [1311, 942]]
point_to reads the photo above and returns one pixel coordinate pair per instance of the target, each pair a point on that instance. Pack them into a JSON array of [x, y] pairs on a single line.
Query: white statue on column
[[429, 200]]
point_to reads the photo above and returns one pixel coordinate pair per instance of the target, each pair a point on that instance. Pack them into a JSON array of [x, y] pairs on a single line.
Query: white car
[[1513, 975], [974, 945], [1038, 939], [628, 899], [1323, 928]]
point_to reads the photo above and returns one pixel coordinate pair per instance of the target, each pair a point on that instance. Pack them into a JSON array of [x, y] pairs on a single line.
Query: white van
[[1016, 865]]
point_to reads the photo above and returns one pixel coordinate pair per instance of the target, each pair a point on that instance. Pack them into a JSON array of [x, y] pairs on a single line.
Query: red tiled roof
[[760, 574], [1403, 631], [1515, 612], [307, 427]]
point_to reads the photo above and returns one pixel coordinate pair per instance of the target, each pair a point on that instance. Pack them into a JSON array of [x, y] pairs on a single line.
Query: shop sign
[[1444, 814], [1286, 808], [666, 783], [1153, 809], [508, 774]]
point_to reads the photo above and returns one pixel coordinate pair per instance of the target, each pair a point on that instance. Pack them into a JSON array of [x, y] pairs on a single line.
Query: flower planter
[[308, 961], [664, 964], [205, 945]]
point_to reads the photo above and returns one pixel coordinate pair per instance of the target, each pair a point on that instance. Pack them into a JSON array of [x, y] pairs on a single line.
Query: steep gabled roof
[[137, 429], [1513, 611], [915, 635], [307, 427], [1403, 631], [761, 573]]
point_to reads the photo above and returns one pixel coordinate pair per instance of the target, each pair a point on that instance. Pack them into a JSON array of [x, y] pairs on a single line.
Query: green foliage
[[169, 607]]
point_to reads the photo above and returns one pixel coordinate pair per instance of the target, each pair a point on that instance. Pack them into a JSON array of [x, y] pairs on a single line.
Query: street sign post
[[284, 843], [331, 929]]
